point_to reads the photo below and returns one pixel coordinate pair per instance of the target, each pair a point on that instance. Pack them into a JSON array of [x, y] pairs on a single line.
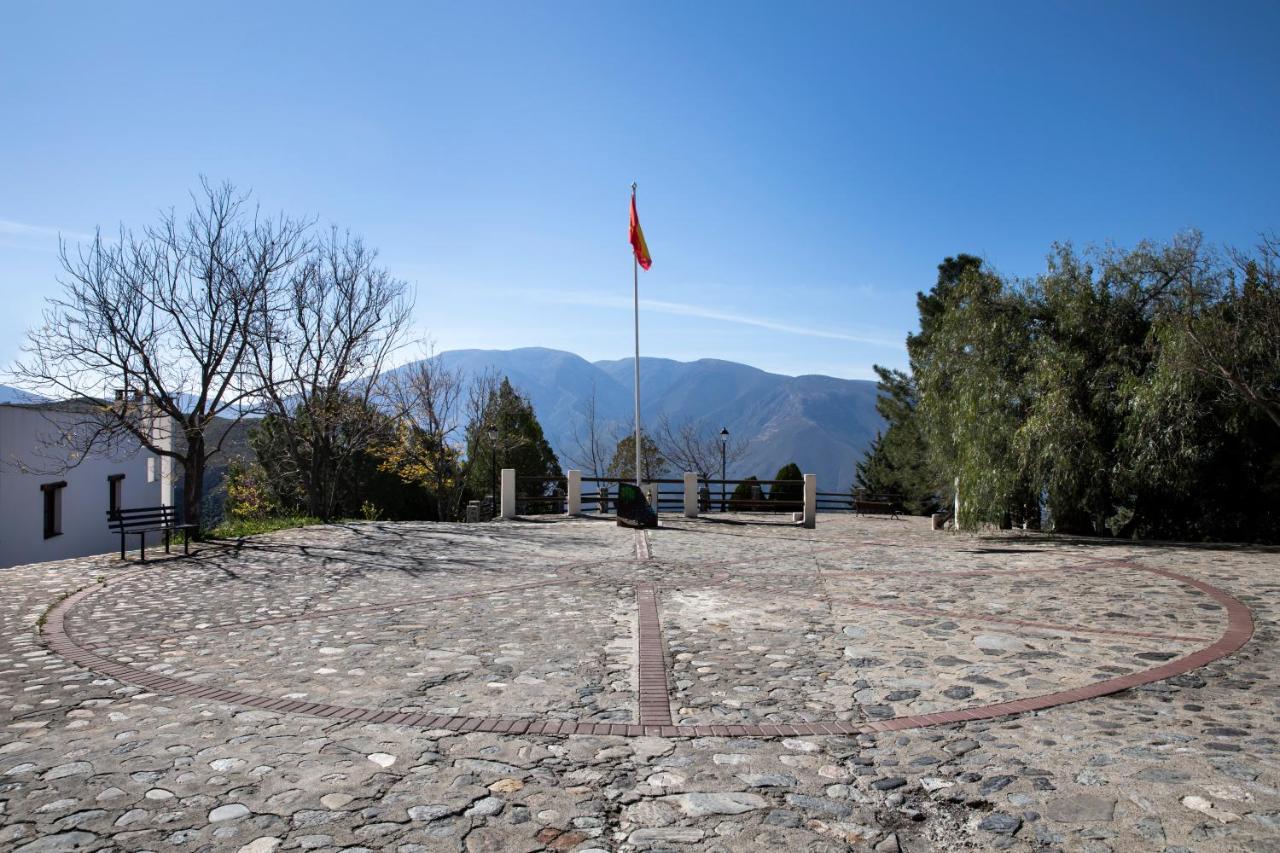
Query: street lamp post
[[724, 443], [493, 468]]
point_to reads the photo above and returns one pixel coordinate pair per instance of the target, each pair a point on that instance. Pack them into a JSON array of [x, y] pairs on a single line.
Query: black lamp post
[[493, 467], [724, 443]]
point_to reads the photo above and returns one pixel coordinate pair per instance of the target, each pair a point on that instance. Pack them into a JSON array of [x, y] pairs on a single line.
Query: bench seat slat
[[139, 521]]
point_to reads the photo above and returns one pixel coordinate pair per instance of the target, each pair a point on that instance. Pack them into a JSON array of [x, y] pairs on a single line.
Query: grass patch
[[235, 529]]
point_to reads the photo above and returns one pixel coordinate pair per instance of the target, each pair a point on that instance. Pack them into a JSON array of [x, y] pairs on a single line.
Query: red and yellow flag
[[636, 236]]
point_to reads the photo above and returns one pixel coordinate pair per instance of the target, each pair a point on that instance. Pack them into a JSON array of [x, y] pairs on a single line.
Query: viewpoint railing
[[536, 495]]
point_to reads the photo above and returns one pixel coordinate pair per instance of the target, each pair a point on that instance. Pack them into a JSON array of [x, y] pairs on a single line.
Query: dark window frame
[[114, 492], [52, 493]]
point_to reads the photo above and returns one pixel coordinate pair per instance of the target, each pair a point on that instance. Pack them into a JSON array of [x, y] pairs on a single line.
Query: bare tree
[[318, 347], [692, 448], [429, 402], [592, 447], [161, 317]]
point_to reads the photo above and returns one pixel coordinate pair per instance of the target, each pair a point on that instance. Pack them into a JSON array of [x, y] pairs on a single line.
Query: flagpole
[[635, 294]]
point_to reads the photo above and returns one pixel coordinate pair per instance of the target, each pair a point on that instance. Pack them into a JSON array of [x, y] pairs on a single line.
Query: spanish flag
[[637, 237]]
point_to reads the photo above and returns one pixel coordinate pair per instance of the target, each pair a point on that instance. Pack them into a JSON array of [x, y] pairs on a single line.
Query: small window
[[53, 508], [115, 486]]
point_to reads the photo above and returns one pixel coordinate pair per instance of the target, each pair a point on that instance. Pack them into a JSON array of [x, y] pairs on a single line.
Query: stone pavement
[[717, 685]]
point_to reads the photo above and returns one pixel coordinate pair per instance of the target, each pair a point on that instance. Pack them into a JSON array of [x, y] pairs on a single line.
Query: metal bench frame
[[864, 507], [148, 519]]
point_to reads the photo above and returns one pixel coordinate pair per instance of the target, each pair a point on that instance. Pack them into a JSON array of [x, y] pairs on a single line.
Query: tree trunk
[[193, 483]]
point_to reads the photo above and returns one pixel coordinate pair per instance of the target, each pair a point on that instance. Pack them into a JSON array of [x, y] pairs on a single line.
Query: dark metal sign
[[633, 509]]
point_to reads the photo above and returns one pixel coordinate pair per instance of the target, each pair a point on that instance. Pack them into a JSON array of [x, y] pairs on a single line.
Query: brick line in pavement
[[655, 694], [653, 723]]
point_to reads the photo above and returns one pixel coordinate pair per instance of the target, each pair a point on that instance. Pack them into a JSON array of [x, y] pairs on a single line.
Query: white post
[[651, 493], [690, 494], [810, 501], [573, 504], [508, 492], [956, 524]]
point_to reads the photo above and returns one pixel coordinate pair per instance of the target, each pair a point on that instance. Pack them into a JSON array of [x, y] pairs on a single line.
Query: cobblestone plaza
[[726, 684]]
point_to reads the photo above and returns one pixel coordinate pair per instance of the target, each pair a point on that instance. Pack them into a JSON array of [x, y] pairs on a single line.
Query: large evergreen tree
[[520, 445], [897, 463], [788, 496]]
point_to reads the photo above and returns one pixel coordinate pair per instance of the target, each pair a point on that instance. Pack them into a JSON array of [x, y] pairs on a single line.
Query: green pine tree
[[520, 445], [788, 496]]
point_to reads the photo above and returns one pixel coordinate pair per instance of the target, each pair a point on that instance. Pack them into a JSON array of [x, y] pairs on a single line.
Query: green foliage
[[520, 445], [623, 463], [897, 463], [1123, 393], [249, 493], [237, 528], [346, 479], [748, 490], [971, 403], [788, 496]]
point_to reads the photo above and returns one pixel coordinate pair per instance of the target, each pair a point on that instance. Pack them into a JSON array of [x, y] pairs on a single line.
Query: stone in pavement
[[763, 625]]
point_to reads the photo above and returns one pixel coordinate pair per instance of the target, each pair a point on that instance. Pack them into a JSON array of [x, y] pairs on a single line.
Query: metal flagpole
[[635, 293]]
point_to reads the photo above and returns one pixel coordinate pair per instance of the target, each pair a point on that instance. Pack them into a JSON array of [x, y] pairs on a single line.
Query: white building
[[52, 514]]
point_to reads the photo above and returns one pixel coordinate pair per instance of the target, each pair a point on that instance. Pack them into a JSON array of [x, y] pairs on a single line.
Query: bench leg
[[166, 542], [142, 545], [122, 546]]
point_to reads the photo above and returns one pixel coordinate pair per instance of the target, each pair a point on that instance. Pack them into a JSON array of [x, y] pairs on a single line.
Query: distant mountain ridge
[[821, 423], [9, 394]]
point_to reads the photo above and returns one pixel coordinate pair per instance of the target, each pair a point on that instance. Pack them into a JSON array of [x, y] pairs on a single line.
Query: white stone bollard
[[690, 494], [573, 505], [508, 492], [810, 501], [651, 495]]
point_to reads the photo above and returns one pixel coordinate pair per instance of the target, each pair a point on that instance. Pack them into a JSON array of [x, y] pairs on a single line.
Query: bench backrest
[[124, 520]]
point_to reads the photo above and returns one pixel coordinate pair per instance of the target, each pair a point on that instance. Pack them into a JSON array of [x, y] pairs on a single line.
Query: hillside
[[822, 423]]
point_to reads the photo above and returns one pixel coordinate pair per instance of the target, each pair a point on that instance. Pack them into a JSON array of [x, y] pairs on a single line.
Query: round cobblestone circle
[[702, 628]]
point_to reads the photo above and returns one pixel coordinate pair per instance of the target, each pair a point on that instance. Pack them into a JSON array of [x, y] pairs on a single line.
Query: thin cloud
[[23, 231], [682, 309]]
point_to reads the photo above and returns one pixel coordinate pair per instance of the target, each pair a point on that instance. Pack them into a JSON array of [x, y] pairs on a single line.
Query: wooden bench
[[866, 507], [148, 519]]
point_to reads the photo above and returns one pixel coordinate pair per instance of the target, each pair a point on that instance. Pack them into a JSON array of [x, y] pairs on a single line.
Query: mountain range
[[9, 394], [821, 423]]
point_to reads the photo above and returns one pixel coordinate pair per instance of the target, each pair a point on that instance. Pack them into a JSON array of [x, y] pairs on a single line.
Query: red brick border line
[[655, 694], [1239, 630]]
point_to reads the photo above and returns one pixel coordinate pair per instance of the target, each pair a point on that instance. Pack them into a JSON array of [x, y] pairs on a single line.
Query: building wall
[[27, 436]]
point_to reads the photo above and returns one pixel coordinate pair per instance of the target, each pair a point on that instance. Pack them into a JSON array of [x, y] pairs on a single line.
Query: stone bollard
[[810, 501], [508, 493], [604, 500], [690, 494], [574, 497], [939, 521], [473, 512]]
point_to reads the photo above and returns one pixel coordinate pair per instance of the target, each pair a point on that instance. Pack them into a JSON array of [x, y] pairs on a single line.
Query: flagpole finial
[[633, 186]]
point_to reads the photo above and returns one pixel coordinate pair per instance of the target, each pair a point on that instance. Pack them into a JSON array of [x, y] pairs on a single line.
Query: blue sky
[[802, 167]]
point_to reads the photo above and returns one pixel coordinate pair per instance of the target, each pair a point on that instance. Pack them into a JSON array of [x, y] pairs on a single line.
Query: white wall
[[85, 500]]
